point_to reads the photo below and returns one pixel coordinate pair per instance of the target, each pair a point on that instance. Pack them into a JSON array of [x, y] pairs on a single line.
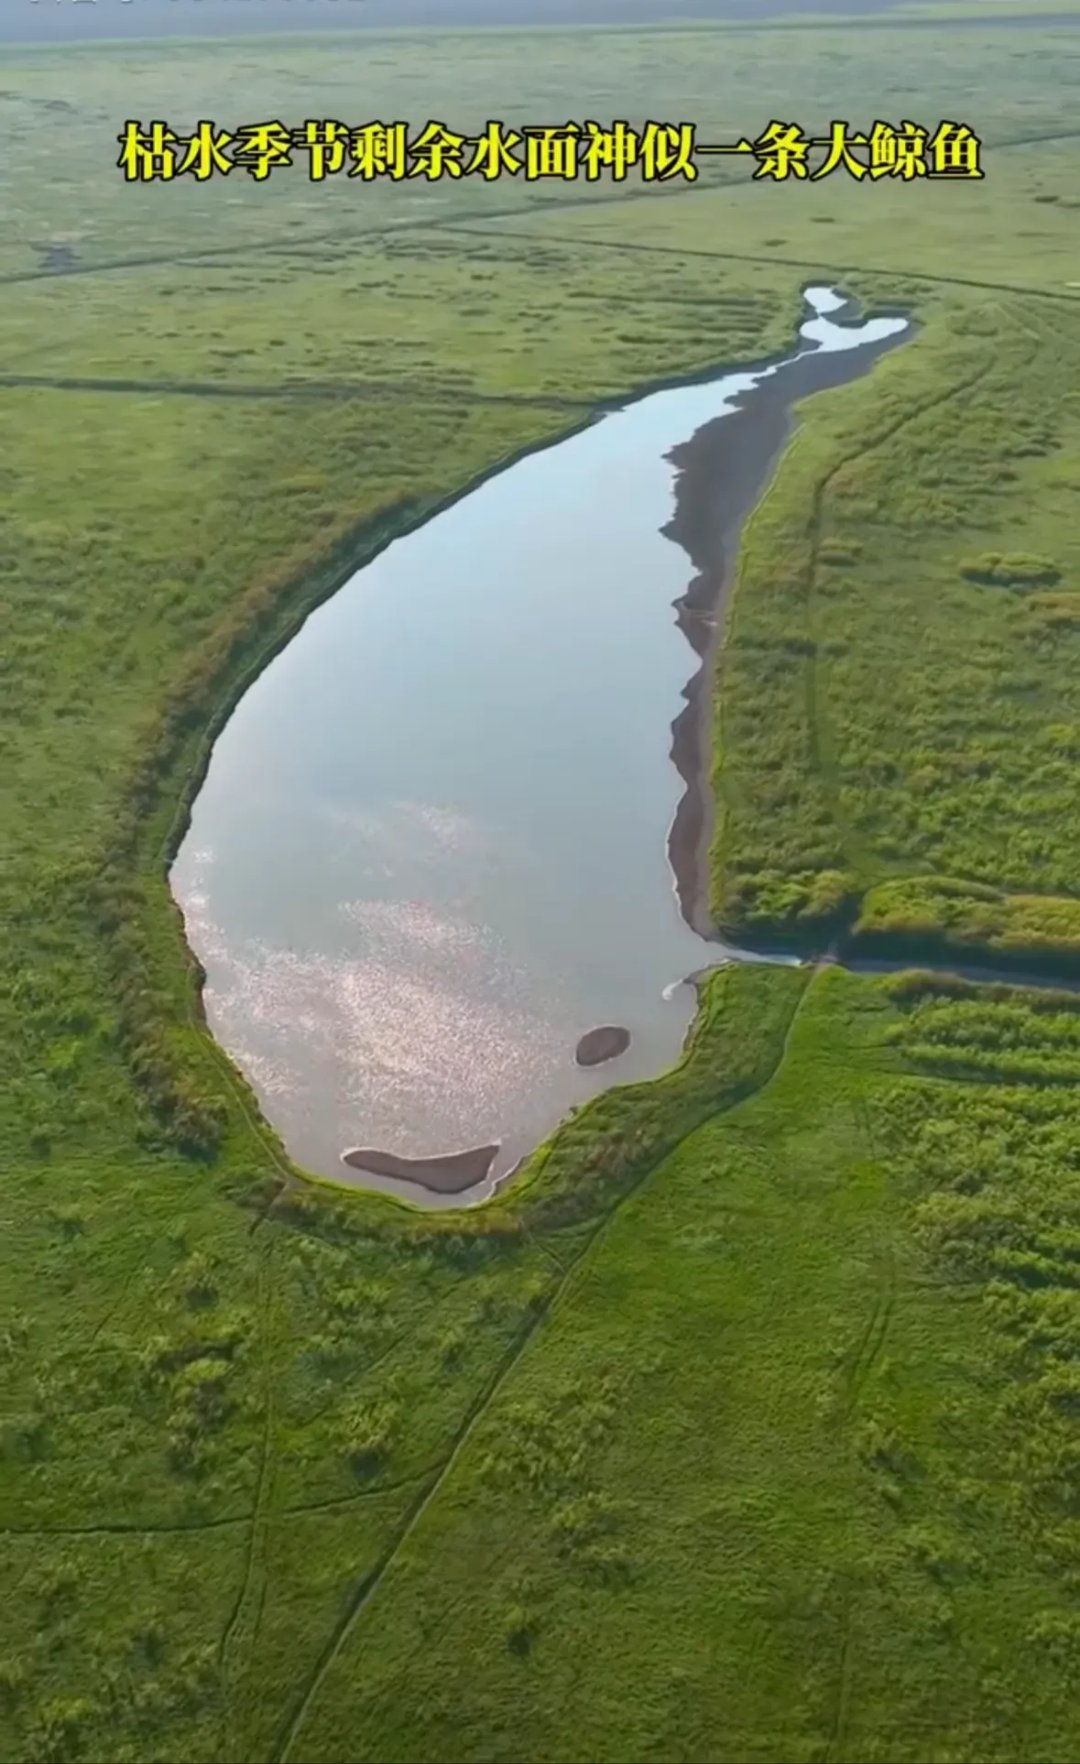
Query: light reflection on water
[[430, 851]]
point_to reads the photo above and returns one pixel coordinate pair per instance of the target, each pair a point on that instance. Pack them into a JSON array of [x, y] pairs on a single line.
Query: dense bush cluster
[[936, 916], [1010, 570]]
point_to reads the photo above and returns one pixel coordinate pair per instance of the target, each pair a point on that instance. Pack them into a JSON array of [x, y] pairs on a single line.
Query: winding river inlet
[[431, 851]]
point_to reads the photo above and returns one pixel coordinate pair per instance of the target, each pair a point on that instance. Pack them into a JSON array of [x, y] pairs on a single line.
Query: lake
[[431, 849]]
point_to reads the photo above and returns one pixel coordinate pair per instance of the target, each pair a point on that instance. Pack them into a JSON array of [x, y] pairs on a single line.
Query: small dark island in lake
[[598, 1045], [452, 1173]]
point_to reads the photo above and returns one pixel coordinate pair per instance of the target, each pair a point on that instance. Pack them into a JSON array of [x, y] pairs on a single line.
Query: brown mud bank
[[451, 1174], [721, 474]]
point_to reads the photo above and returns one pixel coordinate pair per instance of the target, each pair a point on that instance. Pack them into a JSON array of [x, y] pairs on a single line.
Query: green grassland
[[63, 110], [744, 1426], [791, 1472]]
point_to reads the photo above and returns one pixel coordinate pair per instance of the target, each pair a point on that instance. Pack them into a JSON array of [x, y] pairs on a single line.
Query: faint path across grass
[[299, 1510], [253, 1582], [332, 391]]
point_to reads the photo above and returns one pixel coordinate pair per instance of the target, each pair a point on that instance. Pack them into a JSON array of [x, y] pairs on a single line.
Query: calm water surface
[[431, 848]]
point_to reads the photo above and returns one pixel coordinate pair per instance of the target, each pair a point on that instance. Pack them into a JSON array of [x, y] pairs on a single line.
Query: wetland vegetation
[[745, 1425]]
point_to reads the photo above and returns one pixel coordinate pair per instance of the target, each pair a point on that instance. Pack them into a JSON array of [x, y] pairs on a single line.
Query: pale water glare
[[431, 848]]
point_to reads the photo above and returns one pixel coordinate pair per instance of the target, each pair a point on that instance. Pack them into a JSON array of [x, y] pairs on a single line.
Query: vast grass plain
[[745, 1425]]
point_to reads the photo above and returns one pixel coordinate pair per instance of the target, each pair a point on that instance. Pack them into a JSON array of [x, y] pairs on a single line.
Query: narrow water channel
[[431, 849]]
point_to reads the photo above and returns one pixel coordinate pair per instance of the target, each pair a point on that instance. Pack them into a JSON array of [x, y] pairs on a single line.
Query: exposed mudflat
[[451, 1174], [721, 473]]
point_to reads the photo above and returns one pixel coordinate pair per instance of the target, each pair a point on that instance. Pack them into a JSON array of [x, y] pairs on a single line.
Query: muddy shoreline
[[722, 473]]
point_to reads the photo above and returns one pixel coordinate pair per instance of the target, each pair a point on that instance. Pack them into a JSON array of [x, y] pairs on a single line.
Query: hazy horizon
[[58, 21]]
